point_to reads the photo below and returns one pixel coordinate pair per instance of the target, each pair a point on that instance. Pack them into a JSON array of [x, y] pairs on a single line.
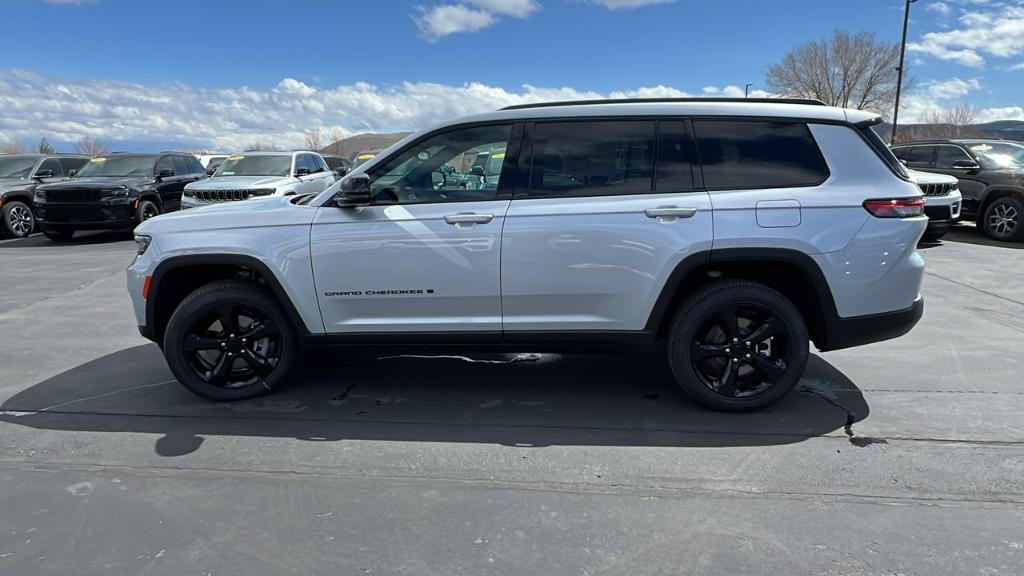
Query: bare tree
[[956, 122], [257, 145], [13, 147], [91, 147], [852, 71], [314, 140]]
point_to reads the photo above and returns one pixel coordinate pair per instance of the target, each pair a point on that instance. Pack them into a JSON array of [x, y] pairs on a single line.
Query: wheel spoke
[[727, 382], [219, 373], [769, 370], [728, 321], [700, 351], [228, 320], [765, 331], [257, 362], [193, 343], [260, 330]]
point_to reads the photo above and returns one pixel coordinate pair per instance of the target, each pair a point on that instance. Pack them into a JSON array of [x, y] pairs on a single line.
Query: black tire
[[1004, 219], [215, 358], [18, 220], [147, 209], [750, 376], [58, 234]]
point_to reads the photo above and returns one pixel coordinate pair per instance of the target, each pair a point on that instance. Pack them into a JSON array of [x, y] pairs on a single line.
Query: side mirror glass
[[354, 191], [165, 173], [301, 172], [72, 173], [341, 172], [437, 179], [44, 174], [965, 165], [210, 171]]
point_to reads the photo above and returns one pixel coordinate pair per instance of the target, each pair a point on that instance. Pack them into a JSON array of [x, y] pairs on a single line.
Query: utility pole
[[746, 90], [899, 71]]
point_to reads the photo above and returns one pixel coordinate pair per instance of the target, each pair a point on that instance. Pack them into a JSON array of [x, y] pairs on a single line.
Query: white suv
[[251, 174], [727, 233]]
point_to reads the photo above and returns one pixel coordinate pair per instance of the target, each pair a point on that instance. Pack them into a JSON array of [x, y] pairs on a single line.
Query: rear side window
[[758, 154], [920, 156], [181, 166], [592, 158], [675, 157]]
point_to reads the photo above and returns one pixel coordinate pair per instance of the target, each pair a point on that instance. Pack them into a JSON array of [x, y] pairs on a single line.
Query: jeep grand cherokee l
[[20, 175], [115, 192], [254, 174], [729, 234]]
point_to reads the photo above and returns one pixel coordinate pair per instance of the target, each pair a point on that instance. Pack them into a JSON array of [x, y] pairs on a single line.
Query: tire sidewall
[[192, 308], [141, 210], [7, 231], [1018, 233], [699, 309]]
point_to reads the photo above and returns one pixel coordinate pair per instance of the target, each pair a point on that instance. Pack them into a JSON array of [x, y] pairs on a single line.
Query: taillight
[[895, 208]]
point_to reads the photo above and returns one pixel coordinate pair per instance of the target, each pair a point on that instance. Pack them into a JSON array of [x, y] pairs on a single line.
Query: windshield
[[262, 165], [16, 166], [999, 154], [118, 166], [363, 159]]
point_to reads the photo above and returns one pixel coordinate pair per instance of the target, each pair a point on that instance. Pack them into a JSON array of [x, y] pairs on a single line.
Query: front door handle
[[669, 213], [463, 219]]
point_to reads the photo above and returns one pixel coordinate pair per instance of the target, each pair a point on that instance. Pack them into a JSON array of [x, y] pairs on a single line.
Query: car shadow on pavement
[[522, 400], [971, 235], [37, 240]]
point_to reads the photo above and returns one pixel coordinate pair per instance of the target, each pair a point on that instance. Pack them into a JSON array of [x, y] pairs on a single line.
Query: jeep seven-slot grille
[[84, 195], [223, 195], [935, 189]]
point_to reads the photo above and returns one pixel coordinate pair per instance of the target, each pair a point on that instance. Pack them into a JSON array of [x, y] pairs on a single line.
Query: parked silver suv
[[728, 233], [251, 174]]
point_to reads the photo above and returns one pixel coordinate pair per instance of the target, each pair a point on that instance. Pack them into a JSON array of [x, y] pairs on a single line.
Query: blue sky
[[228, 73]]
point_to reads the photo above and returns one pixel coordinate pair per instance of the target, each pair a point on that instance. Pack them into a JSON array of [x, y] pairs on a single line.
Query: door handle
[[468, 218], [669, 213]]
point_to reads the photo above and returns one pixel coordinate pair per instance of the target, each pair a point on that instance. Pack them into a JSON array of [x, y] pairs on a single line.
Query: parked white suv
[[727, 233], [943, 201], [251, 174]]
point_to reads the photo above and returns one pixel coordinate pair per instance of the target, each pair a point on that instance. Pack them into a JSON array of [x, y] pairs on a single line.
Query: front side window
[[165, 163], [448, 167], [758, 154], [592, 158], [16, 166], [112, 166], [947, 155], [257, 165], [53, 165], [181, 166]]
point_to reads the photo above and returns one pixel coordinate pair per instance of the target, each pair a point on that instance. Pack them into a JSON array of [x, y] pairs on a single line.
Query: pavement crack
[[851, 416]]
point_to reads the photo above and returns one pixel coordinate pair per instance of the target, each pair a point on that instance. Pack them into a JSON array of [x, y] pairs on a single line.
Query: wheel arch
[[176, 277], [996, 192], [794, 274]]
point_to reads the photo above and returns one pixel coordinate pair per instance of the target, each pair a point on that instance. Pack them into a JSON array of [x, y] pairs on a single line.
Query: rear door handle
[[463, 219], [669, 213]]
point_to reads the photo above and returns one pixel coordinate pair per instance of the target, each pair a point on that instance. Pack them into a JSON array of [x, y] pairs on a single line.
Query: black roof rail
[[807, 101]]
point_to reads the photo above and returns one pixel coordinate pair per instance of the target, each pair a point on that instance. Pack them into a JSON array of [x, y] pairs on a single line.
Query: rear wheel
[[18, 221], [738, 346], [58, 234], [1004, 219], [230, 340]]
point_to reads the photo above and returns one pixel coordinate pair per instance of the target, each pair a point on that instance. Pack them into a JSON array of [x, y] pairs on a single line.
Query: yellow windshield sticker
[[981, 147], [98, 160], [365, 156], [500, 155], [235, 157]]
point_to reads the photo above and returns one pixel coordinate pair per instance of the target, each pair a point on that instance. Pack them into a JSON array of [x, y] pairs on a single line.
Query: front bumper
[[115, 215], [943, 211]]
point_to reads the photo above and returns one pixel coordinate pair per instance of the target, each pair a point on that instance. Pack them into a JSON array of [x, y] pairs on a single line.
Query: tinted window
[[920, 156], [758, 154], [53, 165], [73, 164], [165, 163], [256, 165], [675, 154], [181, 166], [320, 163], [587, 158], [300, 163], [949, 154], [195, 165], [119, 166], [441, 168], [335, 162]]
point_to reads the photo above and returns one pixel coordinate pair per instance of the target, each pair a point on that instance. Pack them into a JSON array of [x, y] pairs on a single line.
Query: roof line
[[806, 101]]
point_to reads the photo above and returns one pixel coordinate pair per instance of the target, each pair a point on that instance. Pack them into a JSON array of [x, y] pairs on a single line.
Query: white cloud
[[997, 30], [1019, 66], [936, 96], [442, 20], [628, 4], [733, 91], [940, 7]]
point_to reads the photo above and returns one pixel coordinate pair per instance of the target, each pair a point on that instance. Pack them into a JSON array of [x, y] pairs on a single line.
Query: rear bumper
[[860, 330]]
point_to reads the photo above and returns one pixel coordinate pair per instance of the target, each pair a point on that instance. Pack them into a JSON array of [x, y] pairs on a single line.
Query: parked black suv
[[20, 174], [991, 174], [116, 192]]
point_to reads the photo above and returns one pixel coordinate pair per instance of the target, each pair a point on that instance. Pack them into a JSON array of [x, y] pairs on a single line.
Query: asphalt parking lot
[[905, 457]]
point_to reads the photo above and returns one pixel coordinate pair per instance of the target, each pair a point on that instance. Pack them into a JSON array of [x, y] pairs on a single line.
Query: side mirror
[[437, 179], [44, 174], [210, 171], [72, 173], [477, 171], [354, 191], [965, 165], [341, 171], [300, 172], [165, 173], [904, 162]]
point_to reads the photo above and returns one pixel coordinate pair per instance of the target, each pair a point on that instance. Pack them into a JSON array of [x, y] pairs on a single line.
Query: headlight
[[40, 195], [189, 193], [142, 243], [263, 191]]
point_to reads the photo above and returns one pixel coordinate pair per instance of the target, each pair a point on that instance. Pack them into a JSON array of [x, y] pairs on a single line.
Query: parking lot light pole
[[746, 90], [899, 71]]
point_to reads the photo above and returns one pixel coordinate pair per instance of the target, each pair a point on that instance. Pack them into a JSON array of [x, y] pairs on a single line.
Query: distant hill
[[349, 147], [1000, 129]]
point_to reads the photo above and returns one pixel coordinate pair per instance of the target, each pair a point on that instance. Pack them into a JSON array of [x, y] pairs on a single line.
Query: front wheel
[[1004, 219], [738, 346], [230, 340], [18, 221], [147, 209]]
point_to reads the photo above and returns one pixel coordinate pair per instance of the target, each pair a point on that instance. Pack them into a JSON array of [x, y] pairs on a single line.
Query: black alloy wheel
[[18, 220], [1004, 219], [738, 346], [147, 209]]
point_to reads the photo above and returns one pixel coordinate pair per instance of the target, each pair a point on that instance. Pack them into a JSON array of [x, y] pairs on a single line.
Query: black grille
[[935, 189], [222, 195], [73, 195]]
